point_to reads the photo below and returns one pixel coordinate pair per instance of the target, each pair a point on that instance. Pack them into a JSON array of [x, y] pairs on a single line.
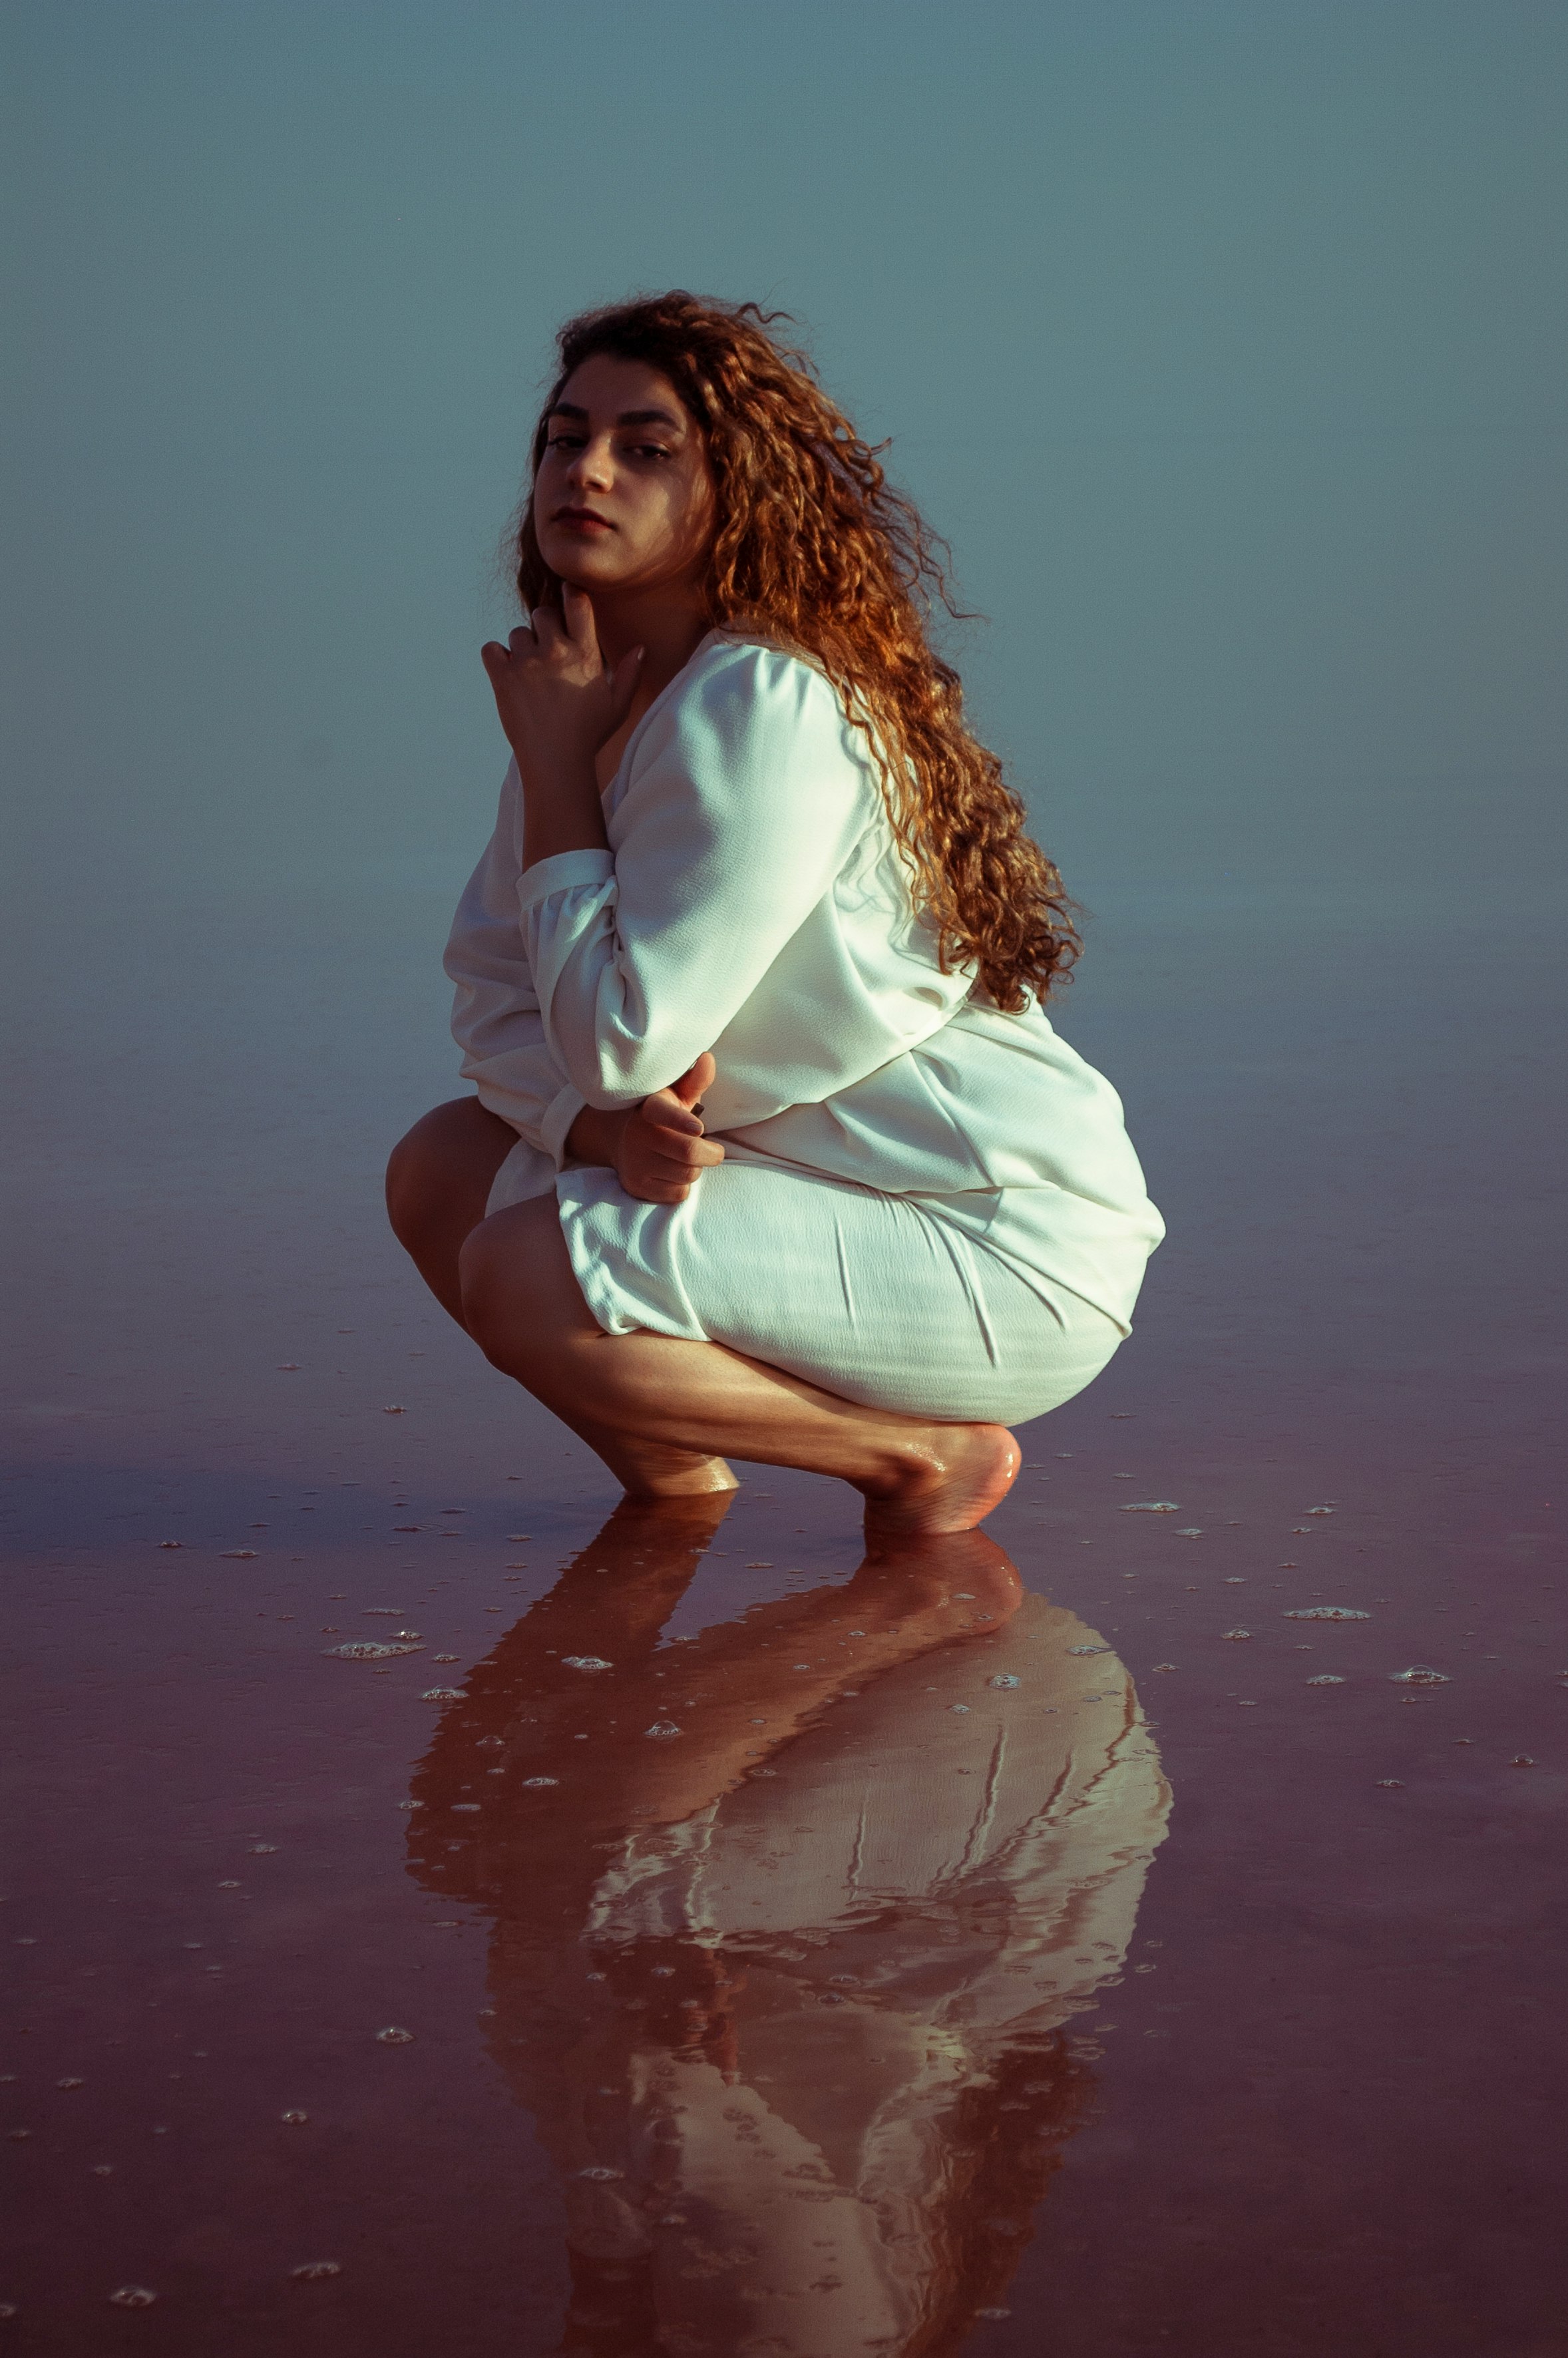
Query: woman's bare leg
[[437, 1182], [439, 1179], [653, 1469], [524, 1307]]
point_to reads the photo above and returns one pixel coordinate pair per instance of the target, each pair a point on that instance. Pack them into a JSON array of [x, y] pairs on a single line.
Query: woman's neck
[[668, 630], [668, 625]]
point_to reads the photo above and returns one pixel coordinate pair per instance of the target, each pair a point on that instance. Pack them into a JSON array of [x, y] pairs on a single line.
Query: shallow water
[[1200, 1992]]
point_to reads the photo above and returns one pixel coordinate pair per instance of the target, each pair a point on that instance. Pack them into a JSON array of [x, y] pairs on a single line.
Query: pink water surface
[[1166, 2000]]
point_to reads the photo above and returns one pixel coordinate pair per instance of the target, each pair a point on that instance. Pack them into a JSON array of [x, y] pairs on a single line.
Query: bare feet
[[700, 1481], [649, 1470], [965, 1471]]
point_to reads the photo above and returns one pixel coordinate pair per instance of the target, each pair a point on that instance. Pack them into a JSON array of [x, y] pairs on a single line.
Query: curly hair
[[815, 552]]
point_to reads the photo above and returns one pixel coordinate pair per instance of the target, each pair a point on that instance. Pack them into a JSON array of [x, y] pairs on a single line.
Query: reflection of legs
[[522, 1305], [438, 1183]]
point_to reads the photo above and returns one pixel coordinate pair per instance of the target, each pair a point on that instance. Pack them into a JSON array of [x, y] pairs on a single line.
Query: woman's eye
[[565, 442], [651, 450]]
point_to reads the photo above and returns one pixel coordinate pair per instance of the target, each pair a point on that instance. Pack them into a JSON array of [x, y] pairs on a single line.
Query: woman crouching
[[774, 1153]]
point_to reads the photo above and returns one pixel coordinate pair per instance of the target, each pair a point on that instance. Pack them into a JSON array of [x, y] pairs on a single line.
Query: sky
[[1224, 343]]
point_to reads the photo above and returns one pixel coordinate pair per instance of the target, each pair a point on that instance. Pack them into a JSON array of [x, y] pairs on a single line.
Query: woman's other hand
[[662, 1151], [657, 1149]]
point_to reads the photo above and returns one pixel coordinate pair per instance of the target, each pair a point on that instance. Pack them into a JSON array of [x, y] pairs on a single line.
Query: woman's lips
[[581, 520]]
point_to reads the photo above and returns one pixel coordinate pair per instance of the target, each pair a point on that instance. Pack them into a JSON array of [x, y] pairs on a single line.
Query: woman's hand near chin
[[558, 704], [657, 1149]]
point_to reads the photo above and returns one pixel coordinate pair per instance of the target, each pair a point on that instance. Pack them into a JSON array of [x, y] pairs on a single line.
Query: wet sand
[[1227, 2018]]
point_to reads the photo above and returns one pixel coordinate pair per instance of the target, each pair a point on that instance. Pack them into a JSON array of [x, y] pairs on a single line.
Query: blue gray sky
[[1223, 339]]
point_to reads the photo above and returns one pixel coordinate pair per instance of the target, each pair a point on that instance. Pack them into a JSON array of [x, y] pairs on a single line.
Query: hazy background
[[1224, 341]]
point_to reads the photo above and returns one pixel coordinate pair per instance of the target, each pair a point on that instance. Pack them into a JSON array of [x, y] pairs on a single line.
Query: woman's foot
[[952, 1483], [651, 1470], [711, 1476]]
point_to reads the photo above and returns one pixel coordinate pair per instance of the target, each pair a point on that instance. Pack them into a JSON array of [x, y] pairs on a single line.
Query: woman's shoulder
[[750, 706], [759, 677], [749, 723]]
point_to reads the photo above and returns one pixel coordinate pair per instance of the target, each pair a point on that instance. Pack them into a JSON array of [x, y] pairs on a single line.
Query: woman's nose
[[592, 465]]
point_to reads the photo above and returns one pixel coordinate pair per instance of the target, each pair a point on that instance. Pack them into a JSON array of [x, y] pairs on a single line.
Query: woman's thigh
[[866, 1295]]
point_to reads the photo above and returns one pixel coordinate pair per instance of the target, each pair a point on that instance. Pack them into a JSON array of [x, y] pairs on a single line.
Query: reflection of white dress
[[926, 1204], [919, 1893]]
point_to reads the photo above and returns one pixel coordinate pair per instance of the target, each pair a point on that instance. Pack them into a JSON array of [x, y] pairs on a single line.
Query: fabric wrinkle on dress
[[926, 1205]]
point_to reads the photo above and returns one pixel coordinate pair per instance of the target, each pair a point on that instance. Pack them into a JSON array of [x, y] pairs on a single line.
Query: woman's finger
[[665, 1112], [666, 1175], [676, 1162], [666, 1151], [696, 1080], [688, 1153], [668, 1154], [577, 613]]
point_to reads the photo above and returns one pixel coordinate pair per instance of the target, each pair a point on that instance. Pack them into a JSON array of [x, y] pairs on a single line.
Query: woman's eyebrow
[[627, 417]]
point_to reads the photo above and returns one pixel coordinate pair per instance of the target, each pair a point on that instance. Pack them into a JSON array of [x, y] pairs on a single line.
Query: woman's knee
[[409, 1188], [477, 1283], [440, 1173], [493, 1267], [519, 1297]]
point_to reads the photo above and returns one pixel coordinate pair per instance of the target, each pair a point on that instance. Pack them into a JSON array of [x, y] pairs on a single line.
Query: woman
[[774, 1153]]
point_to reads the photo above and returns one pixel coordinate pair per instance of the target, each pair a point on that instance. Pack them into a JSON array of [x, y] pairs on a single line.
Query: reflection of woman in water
[[783, 1952], [890, 1213]]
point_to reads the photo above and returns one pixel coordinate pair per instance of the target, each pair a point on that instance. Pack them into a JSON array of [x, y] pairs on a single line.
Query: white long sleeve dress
[[926, 1204]]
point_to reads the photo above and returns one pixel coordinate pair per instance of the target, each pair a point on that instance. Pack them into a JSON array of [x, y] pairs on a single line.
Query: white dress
[[926, 1204]]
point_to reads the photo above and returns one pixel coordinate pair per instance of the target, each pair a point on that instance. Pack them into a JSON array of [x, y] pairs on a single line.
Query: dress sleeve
[[747, 794], [496, 1020]]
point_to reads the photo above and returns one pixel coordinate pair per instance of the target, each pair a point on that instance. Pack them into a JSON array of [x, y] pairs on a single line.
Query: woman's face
[[623, 499]]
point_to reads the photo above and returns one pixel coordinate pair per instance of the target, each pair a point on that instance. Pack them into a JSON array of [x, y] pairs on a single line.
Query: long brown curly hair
[[815, 552]]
